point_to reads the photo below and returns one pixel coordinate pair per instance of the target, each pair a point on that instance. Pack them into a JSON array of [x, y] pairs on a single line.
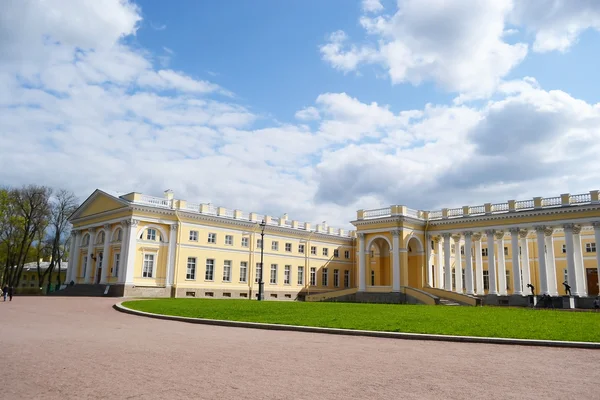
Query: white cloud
[[372, 5], [95, 113]]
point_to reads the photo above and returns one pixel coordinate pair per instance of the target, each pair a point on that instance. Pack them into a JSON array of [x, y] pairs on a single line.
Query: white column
[[439, 263], [478, 265], [596, 225], [90, 261], [457, 264], [468, 263], [426, 260], [361, 263], [525, 261], [568, 229], [539, 230], [501, 264], [579, 267], [170, 273], [516, 275], [105, 254], [396, 261], [551, 263], [129, 267], [123, 255], [72, 257], [491, 261], [447, 269]]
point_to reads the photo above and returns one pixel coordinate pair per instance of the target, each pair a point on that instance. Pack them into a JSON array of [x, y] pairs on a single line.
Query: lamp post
[[261, 284]]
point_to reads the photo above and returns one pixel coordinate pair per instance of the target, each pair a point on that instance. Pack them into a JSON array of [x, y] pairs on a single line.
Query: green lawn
[[444, 320]]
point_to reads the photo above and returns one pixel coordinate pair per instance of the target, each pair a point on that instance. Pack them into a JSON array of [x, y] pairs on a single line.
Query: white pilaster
[[170, 275], [457, 264], [468, 263], [396, 261], [427, 257], [491, 261], [579, 267], [572, 274], [501, 264], [539, 230], [516, 275], [129, 267], [447, 269], [596, 225], [361, 262], [439, 263], [478, 265], [123, 256], [105, 254], [525, 261], [90, 261], [72, 257], [551, 263]]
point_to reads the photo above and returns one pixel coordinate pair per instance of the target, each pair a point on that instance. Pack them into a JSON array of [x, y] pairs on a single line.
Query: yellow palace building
[[139, 245]]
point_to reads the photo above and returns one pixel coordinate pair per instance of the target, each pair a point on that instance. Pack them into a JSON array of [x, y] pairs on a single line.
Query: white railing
[[193, 206], [288, 223], [245, 216], [551, 202], [413, 213], [377, 213], [580, 198], [210, 209], [524, 204], [500, 207], [227, 213], [455, 212], [155, 201], [274, 221], [435, 215], [475, 210]]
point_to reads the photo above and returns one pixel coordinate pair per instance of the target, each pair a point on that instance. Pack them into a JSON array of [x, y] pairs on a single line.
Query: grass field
[[444, 320]]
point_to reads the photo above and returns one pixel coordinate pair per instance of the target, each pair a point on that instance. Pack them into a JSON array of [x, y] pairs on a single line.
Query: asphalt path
[[81, 348]]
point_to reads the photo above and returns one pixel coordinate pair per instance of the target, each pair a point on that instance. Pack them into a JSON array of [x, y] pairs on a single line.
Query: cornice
[[100, 215], [392, 219]]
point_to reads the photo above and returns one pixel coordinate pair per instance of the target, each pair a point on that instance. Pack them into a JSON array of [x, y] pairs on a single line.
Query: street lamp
[[261, 284]]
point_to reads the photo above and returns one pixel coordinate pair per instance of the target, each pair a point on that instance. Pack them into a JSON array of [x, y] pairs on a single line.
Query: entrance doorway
[[592, 281]]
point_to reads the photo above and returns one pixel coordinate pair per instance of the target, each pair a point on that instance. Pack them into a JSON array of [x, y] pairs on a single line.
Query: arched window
[[118, 235], [101, 238], [86, 240]]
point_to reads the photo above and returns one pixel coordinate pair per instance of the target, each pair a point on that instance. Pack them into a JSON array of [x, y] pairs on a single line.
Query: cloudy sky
[[307, 107]]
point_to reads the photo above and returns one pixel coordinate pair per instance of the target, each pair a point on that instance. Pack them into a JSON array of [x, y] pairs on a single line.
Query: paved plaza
[[79, 348]]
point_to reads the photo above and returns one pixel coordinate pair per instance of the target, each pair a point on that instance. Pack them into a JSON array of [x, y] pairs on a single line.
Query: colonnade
[[521, 272]]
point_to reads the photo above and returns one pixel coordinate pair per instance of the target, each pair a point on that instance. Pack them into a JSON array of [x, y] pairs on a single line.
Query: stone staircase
[[446, 302], [82, 290]]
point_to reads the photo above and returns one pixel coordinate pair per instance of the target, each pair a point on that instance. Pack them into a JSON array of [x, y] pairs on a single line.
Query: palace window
[[346, 279], [259, 243], [210, 269], [148, 269], [286, 274], [243, 271], [336, 278], [191, 268], [194, 236], [564, 248], [590, 247], [507, 279], [453, 278], [86, 240], [101, 238], [300, 275], [372, 278], [119, 234], [432, 245], [325, 273], [325, 252], [464, 282], [227, 271], [275, 246], [229, 240], [244, 242], [258, 272], [346, 254], [313, 276], [484, 252], [212, 238], [506, 251], [336, 253], [151, 234], [116, 263], [486, 280], [288, 247], [462, 250], [371, 254], [273, 280], [301, 248], [313, 250], [84, 265], [566, 275]]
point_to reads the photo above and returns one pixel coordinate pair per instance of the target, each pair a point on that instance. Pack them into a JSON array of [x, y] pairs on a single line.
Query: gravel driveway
[[80, 348]]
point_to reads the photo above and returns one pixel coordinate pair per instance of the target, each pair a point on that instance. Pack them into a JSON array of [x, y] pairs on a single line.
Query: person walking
[[567, 288], [5, 292], [11, 290]]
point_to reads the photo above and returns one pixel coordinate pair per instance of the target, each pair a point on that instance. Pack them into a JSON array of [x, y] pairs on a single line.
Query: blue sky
[[311, 108]]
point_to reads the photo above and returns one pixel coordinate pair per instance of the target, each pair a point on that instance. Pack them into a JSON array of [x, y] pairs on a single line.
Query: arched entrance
[[379, 271], [416, 258]]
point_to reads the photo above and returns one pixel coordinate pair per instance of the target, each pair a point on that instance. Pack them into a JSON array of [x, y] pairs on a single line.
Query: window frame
[[244, 267], [212, 238], [287, 274], [228, 240], [209, 277], [273, 274], [190, 271], [193, 237], [227, 270], [144, 265]]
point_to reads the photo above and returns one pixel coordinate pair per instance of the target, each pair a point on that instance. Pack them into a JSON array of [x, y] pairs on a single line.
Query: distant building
[[29, 277]]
